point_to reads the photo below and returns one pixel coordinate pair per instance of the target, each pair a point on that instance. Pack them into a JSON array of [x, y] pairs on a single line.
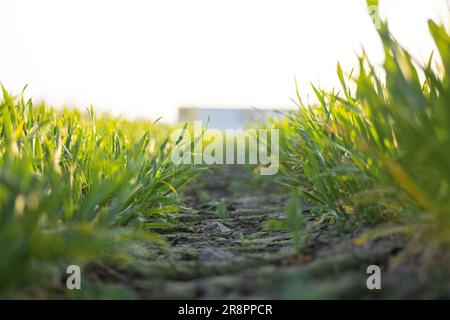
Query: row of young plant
[[73, 185], [379, 148]]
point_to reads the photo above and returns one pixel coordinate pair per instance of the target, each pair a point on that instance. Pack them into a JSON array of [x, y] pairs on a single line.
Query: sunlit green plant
[[72, 185], [379, 148]]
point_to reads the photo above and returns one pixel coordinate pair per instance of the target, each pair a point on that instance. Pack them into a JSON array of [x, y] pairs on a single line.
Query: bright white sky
[[146, 58]]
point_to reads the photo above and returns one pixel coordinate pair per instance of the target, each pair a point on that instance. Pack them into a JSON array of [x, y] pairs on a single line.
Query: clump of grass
[[72, 186], [294, 221], [222, 211], [380, 147]]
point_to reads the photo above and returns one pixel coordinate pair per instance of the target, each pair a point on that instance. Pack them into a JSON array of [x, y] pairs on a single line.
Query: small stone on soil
[[215, 254], [215, 227]]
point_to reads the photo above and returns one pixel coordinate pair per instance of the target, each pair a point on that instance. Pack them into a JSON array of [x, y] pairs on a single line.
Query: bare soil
[[233, 255]]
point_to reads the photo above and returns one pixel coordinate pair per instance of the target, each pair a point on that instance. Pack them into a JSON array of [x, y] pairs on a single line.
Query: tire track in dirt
[[213, 256]]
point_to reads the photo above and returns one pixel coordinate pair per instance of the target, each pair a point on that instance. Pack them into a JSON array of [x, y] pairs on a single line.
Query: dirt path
[[226, 254], [220, 254]]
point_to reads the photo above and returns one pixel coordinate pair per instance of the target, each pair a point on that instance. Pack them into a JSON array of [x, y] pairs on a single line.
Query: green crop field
[[77, 186], [364, 178]]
